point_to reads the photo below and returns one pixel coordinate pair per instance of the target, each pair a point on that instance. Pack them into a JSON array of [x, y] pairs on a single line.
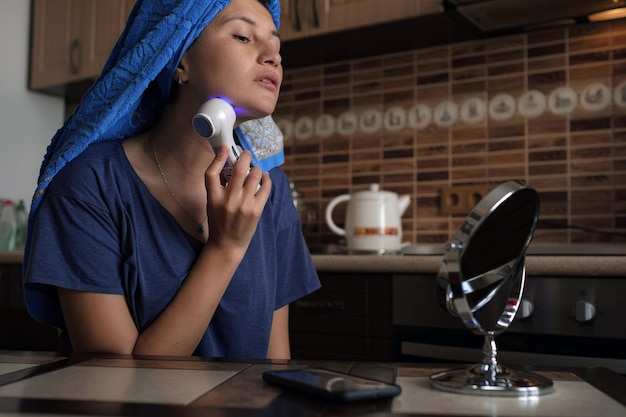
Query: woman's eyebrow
[[250, 22]]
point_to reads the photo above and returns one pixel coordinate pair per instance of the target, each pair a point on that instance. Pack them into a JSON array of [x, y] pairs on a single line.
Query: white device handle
[[215, 121]]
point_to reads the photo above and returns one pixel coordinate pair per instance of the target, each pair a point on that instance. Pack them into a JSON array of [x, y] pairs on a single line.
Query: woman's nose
[[271, 55], [274, 60]]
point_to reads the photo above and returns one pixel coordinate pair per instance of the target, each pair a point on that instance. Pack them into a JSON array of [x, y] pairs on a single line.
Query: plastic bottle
[[21, 219], [8, 226]]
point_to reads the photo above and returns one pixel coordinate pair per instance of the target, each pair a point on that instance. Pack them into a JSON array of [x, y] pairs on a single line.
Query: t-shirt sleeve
[[74, 245], [297, 276]]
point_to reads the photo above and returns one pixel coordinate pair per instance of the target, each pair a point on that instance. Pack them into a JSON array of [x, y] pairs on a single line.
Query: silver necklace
[[200, 228]]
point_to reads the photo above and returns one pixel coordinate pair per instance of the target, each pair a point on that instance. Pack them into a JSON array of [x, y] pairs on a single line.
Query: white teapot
[[373, 219]]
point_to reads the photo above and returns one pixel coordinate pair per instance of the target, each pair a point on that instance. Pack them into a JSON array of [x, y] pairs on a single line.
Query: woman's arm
[[97, 322], [102, 322], [279, 337]]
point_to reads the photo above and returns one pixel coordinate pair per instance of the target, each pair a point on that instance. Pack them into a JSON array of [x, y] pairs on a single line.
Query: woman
[[136, 246]]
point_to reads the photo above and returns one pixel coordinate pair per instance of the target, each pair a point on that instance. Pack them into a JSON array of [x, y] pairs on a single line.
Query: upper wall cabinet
[[303, 18], [348, 14], [71, 39]]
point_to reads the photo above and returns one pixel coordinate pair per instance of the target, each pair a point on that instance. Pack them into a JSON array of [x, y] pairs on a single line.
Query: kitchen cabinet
[[71, 39], [305, 18], [349, 318], [18, 330], [302, 18], [348, 14]]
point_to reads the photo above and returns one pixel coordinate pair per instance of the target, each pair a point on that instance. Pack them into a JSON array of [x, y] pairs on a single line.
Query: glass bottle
[[21, 220], [8, 226]]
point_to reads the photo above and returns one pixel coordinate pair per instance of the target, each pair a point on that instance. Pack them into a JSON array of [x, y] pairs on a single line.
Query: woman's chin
[[248, 114], [257, 108]]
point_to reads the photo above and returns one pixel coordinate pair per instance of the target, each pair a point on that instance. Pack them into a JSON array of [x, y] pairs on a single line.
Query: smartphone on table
[[331, 385]]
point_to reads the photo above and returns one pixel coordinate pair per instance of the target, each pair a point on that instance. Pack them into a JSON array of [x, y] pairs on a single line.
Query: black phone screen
[[331, 385]]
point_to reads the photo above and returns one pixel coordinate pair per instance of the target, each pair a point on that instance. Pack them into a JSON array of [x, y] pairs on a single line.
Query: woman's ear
[[180, 74]]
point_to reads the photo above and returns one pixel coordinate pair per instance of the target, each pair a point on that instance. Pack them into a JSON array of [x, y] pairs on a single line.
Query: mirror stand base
[[479, 380]]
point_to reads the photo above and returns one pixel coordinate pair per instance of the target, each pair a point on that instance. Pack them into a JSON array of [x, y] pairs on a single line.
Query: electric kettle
[[373, 219]]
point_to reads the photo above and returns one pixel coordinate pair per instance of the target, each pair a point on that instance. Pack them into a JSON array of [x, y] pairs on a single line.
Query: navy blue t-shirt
[[99, 229]]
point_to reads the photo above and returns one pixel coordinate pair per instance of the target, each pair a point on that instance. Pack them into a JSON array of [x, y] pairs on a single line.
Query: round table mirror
[[481, 280]]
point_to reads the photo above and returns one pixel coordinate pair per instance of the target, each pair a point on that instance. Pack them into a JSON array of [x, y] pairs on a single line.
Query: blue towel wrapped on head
[[130, 94]]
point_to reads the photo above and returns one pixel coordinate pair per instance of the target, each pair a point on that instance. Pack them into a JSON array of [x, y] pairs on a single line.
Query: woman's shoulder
[[96, 156], [99, 163], [279, 177], [280, 184], [281, 200]]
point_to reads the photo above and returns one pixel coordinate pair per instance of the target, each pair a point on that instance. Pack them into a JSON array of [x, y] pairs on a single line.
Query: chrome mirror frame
[[481, 281]]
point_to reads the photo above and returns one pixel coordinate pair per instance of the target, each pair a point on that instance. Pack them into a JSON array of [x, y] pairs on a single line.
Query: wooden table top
[[38, 383]]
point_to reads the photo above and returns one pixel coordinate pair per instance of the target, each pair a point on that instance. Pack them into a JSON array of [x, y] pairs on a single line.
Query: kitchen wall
[[576, 160], [27, 119], [547, 108]]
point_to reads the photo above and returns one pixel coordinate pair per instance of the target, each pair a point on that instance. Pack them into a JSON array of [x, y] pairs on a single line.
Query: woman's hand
[[234, 208]]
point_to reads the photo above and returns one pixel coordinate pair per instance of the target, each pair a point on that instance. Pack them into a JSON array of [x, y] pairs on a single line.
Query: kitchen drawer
[[11, 293], [342, 282], [341, 347], [349, 318], [335, 347], [324, 324], [331, 303], [18, 330]]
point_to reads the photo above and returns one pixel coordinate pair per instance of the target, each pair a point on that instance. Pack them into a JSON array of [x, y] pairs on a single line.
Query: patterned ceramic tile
[[576, 159]]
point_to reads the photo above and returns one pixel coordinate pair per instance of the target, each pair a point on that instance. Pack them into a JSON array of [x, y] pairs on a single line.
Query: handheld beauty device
[[214, 121]]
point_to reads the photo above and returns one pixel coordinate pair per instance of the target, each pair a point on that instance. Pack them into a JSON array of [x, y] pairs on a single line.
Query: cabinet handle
[[297, 23], [320, 305], [75, 52], [316, 18]]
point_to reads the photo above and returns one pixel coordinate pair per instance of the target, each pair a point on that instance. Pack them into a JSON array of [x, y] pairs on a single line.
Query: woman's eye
[[241, 38]]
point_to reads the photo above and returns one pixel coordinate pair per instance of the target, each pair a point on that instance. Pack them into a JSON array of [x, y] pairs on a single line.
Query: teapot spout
[[403, 203]]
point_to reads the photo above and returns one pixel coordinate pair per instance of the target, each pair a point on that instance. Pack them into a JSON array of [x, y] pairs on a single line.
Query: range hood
[[491, 16]]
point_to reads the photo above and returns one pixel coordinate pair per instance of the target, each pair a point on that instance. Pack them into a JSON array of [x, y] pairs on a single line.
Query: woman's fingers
[[241, 170], [213, 174], [234, 209]]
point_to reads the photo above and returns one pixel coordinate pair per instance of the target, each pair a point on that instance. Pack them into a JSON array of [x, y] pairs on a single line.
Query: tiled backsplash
[[469, 113]]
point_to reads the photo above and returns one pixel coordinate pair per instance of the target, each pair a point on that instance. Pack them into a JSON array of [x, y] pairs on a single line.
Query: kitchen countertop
[[562, 265], [542, 259], [596, 264], [122, 385], [11, 258]]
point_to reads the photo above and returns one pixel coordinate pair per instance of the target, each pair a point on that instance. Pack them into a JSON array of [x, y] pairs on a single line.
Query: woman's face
[[237, 57]]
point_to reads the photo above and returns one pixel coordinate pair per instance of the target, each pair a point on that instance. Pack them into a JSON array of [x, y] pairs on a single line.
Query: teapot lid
[[375, 188]]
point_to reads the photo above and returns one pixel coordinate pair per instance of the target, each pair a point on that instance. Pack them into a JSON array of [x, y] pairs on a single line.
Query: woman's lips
[[269, 81]]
